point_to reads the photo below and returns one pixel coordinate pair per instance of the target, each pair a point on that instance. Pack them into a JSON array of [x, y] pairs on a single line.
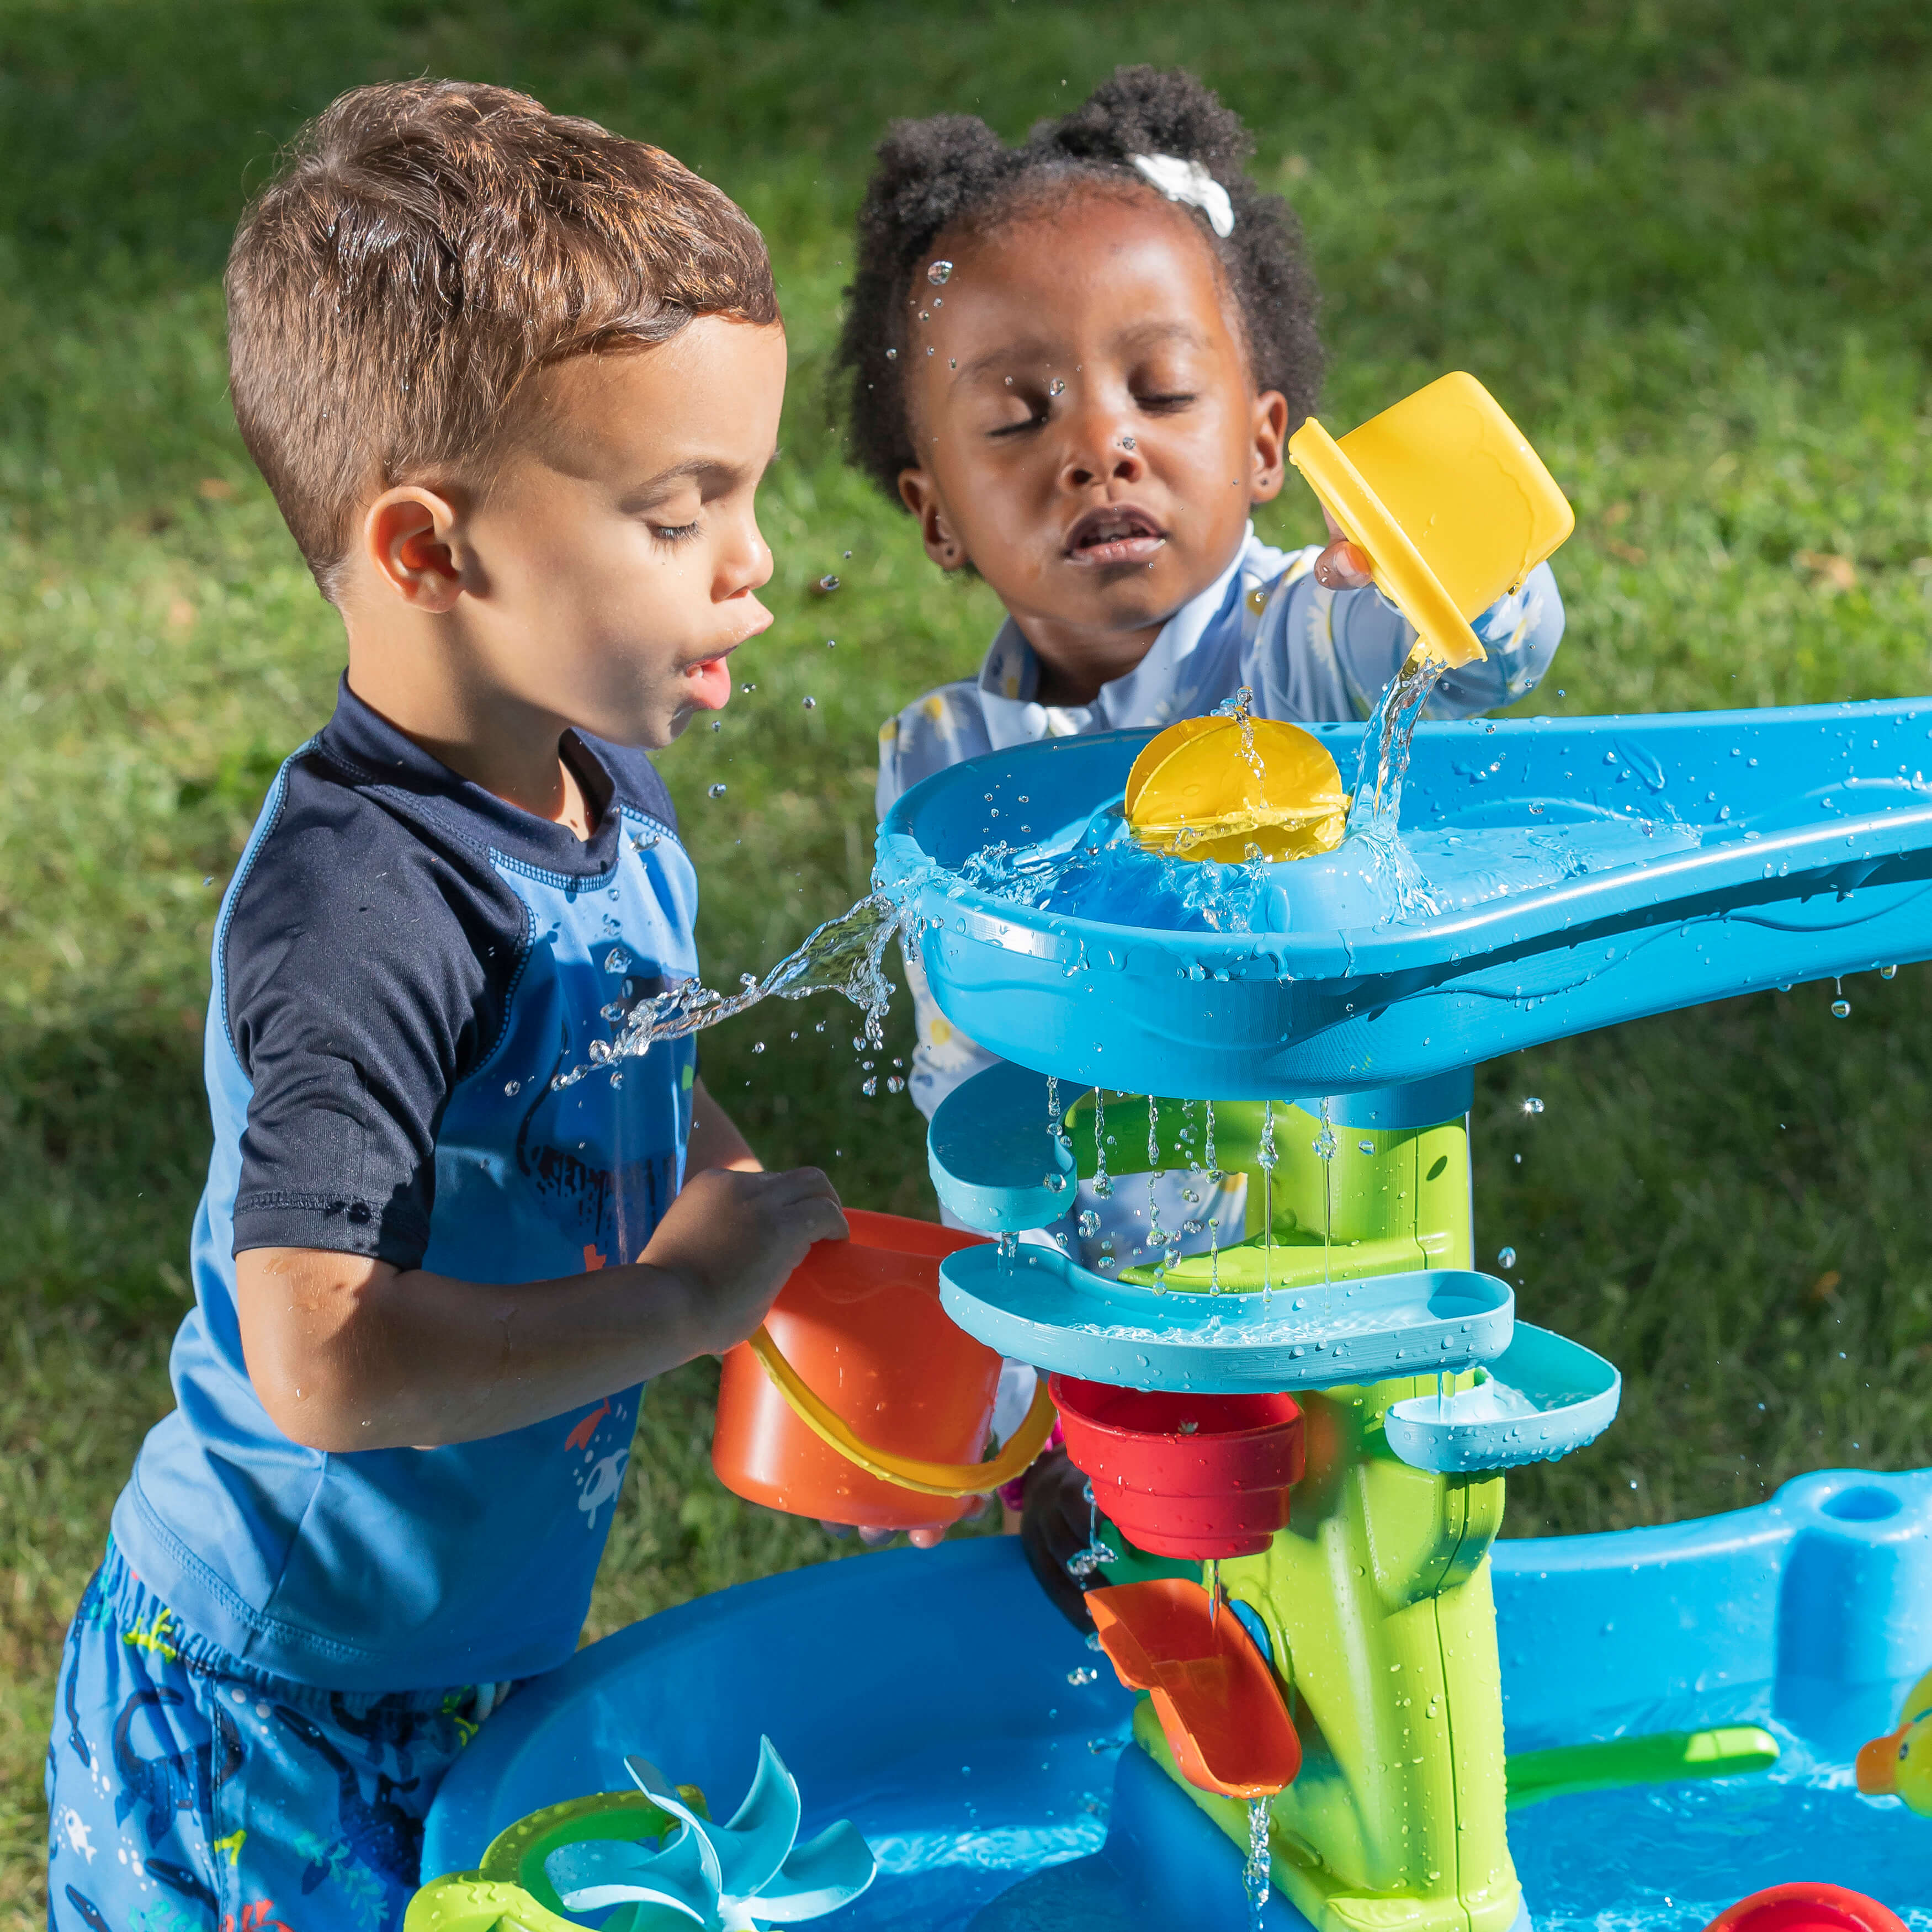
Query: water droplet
[[1127, 442], [716, 791], [748, 687], [1090, 1222], [1365, 1146], [938, 272], [894, 1084], [870, 1088], [1888, 972], [512, 1086], [1506, 1258], [810, 704], [1532, 1105], [1841, 1009], [1106, 1264], [1056, 387], [826, 585], [892, 355], [758, 1046]]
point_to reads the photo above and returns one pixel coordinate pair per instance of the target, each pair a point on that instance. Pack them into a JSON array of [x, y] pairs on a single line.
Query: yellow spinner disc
[[1211, 788]]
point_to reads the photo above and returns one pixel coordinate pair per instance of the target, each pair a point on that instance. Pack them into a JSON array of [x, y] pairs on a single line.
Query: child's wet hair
[[952, 172]]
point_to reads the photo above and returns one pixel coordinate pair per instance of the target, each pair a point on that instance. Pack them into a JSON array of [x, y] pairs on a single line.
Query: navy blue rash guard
[[404, 964]]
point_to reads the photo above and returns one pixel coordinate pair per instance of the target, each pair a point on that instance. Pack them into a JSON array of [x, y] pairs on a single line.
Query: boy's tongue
[[710, 683]]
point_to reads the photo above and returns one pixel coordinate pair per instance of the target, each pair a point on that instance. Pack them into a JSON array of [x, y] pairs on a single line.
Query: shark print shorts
[[186, 1792]]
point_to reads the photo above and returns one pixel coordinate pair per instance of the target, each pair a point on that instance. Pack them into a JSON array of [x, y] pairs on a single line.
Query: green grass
[[1688, 245]]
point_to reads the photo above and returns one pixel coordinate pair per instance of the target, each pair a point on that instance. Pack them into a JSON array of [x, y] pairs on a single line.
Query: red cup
[[1191, 1476], [1807, 1907], [861, 1323]]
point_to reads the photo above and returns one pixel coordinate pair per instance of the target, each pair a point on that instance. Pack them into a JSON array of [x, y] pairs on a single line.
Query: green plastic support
[[1670, 1757]]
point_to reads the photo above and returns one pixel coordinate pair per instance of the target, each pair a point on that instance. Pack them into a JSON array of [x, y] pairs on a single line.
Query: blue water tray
[[1543, 1397], [1038, 1306], [994, 1164], [1581, 873]]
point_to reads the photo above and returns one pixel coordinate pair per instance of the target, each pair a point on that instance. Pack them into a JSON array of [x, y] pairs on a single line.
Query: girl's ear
[[1271, 445], [920, 495]]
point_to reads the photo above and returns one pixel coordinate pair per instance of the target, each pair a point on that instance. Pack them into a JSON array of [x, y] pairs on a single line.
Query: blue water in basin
[[939, 1701]]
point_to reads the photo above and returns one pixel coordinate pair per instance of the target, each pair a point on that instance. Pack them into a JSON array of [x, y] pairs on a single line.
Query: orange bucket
[[860, 1323]]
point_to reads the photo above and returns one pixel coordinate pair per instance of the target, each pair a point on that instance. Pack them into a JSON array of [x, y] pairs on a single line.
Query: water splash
[[1266, 1156], [845, 954], [1255, 1873], [1324, 1152], [1375, 812], [1103, 1182]]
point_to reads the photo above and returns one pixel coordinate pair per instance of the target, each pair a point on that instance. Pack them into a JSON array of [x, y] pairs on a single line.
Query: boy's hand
[[1342, 565], [733, 1238]]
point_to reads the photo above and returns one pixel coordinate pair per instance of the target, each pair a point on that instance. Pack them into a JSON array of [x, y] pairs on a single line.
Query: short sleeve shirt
[[416, 987]]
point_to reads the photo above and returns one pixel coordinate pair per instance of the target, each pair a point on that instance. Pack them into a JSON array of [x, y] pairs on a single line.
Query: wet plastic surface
[[1584, 872], [939, 1701], [1546, 1395], [1038, 1307]]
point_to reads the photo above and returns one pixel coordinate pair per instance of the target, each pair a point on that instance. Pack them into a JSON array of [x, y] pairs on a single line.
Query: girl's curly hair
[[952, 172]]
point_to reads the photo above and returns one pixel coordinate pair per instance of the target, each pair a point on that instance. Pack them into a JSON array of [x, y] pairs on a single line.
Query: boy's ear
[[1270, 446], [920, 495], [407, 533]]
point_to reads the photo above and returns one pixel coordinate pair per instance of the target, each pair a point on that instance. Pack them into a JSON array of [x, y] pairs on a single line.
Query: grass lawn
[[1688, 244]]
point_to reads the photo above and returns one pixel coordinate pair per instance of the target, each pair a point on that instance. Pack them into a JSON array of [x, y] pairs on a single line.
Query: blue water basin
[[938, 1702]]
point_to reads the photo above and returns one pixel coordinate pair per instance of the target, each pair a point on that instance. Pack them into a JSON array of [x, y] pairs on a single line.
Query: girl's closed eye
[[674, 533]]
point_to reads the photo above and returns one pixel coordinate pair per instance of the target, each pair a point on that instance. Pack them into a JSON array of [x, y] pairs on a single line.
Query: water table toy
[[1899, 1765], [938, 1701], [1302, 1027], [655, 1854]]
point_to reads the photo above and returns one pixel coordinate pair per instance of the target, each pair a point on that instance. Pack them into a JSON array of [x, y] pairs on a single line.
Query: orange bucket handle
[[1017, 1453]]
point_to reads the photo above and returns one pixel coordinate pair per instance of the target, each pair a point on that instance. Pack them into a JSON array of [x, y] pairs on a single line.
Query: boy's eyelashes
[[673, 533]]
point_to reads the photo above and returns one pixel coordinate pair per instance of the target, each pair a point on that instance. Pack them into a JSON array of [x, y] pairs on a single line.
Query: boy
[[514, 381]]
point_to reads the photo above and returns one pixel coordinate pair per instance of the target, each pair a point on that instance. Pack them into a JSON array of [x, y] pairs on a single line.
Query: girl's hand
[[928, 1538], [1342, 565]]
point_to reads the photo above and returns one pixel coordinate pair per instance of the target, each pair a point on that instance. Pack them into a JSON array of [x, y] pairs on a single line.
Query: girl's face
[[1090, 437]]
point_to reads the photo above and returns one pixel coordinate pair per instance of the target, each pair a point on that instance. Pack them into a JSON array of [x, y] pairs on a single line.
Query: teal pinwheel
[[739, 1877]]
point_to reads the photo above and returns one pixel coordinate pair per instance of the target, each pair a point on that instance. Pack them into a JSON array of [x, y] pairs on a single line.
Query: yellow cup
[[1449, 502]]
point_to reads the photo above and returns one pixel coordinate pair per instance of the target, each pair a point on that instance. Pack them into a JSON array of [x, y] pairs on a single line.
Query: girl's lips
[[709, 683], [1118, 549], [1114, 534]]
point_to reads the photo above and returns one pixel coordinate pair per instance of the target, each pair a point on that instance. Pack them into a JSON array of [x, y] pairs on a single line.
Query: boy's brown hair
[[427, 245]]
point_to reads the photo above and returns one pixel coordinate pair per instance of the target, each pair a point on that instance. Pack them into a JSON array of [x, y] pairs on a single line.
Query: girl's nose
[[1101, 448]]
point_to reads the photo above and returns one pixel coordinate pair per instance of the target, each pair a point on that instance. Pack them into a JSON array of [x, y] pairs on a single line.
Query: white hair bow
[[1189, 182]]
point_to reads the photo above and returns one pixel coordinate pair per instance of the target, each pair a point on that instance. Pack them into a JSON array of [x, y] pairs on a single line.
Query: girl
[[1077, 363]]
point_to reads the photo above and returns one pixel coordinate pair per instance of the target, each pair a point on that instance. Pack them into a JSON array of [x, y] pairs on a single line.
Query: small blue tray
[[1037, 1306], [1544, 1396], [991, 1155]]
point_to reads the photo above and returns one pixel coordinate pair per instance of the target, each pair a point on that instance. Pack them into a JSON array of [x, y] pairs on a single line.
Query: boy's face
[[611, 566], [1090, 437]]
